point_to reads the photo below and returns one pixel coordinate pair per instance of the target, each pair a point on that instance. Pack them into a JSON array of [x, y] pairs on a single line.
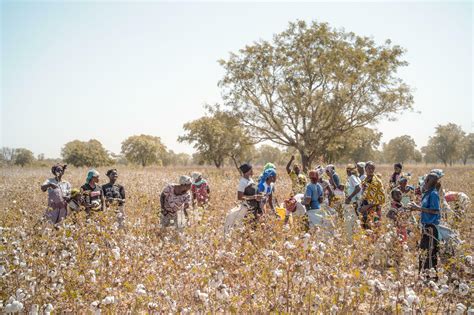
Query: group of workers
[[363, 191]]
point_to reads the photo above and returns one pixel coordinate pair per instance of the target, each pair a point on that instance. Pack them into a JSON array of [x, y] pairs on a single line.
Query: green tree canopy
[[23, 157], [400, 149], [359, 145], [467, 148], [446, 143], [144, 150], [312, 84], [85, 153], [217, 137]]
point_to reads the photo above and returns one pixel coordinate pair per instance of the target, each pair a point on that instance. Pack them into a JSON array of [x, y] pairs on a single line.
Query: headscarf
[[313, 174], [266, 174], [269, 165], [361, 164], [438, 172], [244, 168], [369, 163], [90, 174], [320, 170], [185, 180], [58, 167], [330, 168], [352, 169], [195, 175]]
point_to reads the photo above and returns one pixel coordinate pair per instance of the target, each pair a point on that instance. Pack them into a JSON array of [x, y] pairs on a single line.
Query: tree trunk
[[305, 161], [236, 164]]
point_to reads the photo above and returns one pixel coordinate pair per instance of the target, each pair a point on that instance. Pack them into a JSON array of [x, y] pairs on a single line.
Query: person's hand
[[258, 197], [292, 157], [348, 201], [414, 207]]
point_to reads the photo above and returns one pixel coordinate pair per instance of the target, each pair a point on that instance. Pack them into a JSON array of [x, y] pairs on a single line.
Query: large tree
[[7, 155], [446, 143], [217, 137], [85, 153], [467, 148], [313, 83], [400, 149], [144, 150], [23, 157]]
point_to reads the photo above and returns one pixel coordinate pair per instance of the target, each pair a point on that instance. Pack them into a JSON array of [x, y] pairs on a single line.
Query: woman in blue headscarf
[[266, 186]]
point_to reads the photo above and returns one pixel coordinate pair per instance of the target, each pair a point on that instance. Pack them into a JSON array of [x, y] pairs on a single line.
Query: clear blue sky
[[108, 70]]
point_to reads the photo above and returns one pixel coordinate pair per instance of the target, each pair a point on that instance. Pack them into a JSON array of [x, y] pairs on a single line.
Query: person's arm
[[307, 198], [185, 209], [433, 204], [288, 166], [240, 195], [162, 200], [102, 200], [355, 192], [320, 192], [426, 210], [270, 202], [47, 184], [122, 193]]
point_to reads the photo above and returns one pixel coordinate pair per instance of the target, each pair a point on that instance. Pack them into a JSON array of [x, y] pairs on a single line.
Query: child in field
[[200, 190], [407, 191], [328, 193], [397, 213], [397, 173]]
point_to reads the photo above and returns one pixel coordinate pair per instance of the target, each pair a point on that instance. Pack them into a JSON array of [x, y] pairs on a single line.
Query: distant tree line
[[218, 141]]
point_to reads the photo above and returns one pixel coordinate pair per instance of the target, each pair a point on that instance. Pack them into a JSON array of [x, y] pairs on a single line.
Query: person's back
[[315, 192]]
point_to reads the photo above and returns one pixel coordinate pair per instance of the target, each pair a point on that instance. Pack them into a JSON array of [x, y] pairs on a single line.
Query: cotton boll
[[108, 300], [463, 289], [34, 310], [278, 273], [116, 253], [460, 309], [140, 289], [48, 309], [289, 245], [52, 273]]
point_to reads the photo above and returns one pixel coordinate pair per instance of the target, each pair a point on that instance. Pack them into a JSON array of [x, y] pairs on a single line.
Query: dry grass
[[93, 266]]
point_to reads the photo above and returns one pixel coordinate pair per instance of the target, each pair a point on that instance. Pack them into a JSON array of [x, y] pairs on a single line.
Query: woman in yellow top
[[373, 197], [298, 179]]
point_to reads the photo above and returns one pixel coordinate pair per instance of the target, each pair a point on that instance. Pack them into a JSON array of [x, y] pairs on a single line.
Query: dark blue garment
[[430, 200]]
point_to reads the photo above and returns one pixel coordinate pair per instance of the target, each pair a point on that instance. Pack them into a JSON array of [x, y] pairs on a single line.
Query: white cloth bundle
[[235, 217]]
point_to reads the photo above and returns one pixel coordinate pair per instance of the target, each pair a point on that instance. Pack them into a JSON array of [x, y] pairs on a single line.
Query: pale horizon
[[107, 71]]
